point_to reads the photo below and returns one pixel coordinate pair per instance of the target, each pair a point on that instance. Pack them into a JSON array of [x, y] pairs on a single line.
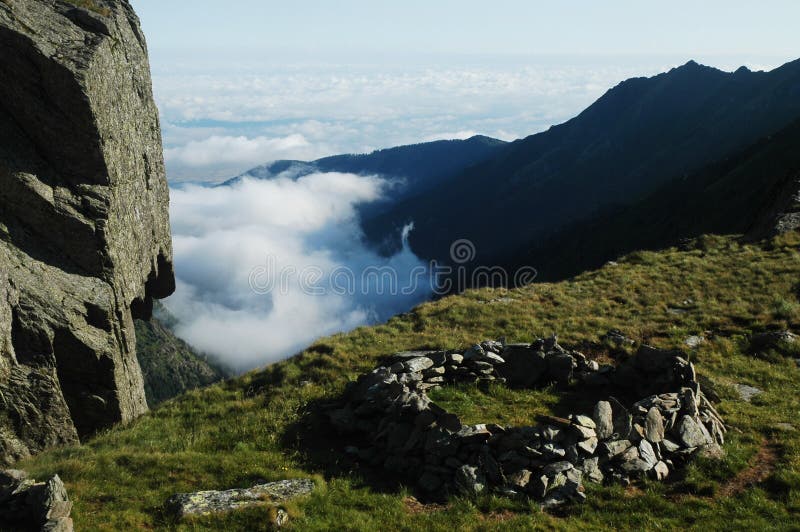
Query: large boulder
[[84, 228]]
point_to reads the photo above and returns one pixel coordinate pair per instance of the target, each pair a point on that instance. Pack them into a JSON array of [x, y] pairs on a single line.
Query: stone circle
[[406, 433]]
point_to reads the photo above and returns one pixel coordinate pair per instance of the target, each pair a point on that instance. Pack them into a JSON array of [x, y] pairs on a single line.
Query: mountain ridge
[[638, 135]]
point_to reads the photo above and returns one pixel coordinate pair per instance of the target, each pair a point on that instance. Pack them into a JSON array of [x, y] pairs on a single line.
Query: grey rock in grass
[[747, 392], [693, 342], [212, 502]]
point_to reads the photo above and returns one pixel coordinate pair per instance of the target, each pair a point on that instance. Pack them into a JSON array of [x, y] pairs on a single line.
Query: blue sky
[[470, 26], [243, 82]]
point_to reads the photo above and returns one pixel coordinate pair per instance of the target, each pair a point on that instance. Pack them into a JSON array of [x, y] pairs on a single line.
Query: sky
[[241, 83], [353, 27], [244, 82]]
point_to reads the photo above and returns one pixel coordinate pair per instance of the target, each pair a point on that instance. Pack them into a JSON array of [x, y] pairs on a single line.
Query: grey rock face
[[84, 229]]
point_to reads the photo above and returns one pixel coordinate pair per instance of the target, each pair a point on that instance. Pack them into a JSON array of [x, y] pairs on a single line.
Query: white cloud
[[461, 135], [219, 149], [229, 240]]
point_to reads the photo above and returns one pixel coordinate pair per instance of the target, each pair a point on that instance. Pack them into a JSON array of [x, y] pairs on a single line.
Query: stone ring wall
[[408, 434]]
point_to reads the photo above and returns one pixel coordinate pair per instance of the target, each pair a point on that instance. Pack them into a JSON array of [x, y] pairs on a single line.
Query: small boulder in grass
[[272, 494]]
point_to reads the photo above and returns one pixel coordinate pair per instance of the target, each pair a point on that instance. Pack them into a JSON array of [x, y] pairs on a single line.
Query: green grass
[[256, 427]]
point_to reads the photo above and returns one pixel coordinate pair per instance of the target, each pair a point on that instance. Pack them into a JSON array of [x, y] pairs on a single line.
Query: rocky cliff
[[84, 228]]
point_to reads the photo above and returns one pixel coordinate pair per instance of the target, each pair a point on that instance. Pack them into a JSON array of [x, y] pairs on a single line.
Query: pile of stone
[[400, 429], [29, 505]]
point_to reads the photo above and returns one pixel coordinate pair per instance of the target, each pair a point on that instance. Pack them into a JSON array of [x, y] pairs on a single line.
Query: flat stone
[[538, 486], [556, 467], [583, 433], [474, 352], [553, 451], [636, 465], [669, 446], [690, 433], [712, 451], [210, 502], [654, 425], [58, 524], [603, 420], [409, 378], [588, 446], [480, 365], [550, 433], [455, 358], [583, 421], [520, 479], [470, 480], [747, 392], [591, 469], [615, 447], [631, 453], [473, 434], [403, 356], [493, 358], [418, 364], [660, 471], [647, 453]]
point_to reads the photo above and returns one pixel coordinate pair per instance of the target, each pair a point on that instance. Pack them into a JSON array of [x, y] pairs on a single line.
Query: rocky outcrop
[[26, 504], [84, 229], [399, 429]]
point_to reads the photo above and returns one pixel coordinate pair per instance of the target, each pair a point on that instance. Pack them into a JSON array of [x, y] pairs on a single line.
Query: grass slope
[[169, 365], [237, 432]]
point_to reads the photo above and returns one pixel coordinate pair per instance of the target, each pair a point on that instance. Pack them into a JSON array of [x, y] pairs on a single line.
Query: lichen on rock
[[84, 228]]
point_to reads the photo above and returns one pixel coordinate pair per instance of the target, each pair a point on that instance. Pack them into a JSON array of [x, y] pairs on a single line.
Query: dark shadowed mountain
[[639, 136], [169, 365], [755, 192], [414, 168]]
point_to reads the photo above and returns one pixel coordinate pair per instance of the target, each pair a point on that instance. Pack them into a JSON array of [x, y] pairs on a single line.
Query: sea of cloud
[[265, 267]]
